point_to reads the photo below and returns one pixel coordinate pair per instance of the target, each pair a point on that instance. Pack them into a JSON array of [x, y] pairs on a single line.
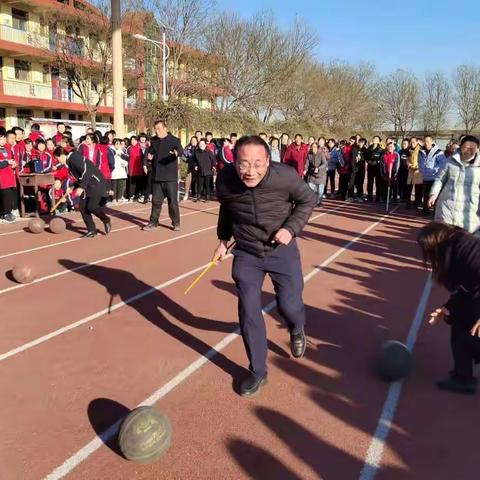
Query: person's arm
[[224, 225], [440, 180], [304, 201]]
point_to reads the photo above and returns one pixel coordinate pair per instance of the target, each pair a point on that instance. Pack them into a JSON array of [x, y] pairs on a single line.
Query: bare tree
[[399, 100], [436, 102], [466, 80]]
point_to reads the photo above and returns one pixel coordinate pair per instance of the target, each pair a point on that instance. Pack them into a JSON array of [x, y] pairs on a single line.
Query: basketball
[[144, 435], [57, 225], [23, 273], [394, 361], [36, 225]]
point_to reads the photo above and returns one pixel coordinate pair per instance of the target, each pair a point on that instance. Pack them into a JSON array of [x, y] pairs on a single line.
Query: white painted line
[[78, 220], [110, 432], [78, 239], [107, 259], [116, 306], [373, 459]]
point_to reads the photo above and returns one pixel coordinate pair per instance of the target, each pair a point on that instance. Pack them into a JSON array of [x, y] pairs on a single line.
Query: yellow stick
[[64, 196], [204, 272]]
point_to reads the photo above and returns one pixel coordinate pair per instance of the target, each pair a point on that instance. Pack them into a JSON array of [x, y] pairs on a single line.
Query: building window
[[98, 119], [22, 70], [46, 73], [47, 114], [24, 118], [19, 19], [80, 118], [71, 116], [57, 115], [2, 117]]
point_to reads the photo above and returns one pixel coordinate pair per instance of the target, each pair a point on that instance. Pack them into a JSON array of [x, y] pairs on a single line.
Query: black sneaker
[[252, 385], [108, 227], [458, 385], [90, 234], [150, 226], [298, 344]]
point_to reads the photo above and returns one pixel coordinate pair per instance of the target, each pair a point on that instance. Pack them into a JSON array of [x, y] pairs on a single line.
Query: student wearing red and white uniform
[[25, 160], [58, 193], [135, 170], [8, 182], [57, 138], [90, 150], [44, 158], [35, 133]]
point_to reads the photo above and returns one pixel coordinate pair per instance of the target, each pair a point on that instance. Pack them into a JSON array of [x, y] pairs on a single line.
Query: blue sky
[[391, 34]]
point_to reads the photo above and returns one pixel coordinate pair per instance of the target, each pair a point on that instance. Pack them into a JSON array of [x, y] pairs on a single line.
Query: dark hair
[[60, 123], [91, 136], [208, 133], [133, 137], [10, 132], [59, 151], [250, 140], [363, 140], [272, 138], [160, 120], [35, 127], [198, 131], [377, 136], [17, 129], [406, 140], [470, 138], [49, 140], [262, 133], [433, 240], [414, 138], [353, 137], [202, 139], [299, 135], [191, 138], [3, 133], [40, 141], [233, 135], [322, 138], [427, 136], [142, 134], [27, 141], [117, 140]]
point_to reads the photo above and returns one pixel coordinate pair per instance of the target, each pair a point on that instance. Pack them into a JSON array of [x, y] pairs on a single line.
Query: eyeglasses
[[256, 166]]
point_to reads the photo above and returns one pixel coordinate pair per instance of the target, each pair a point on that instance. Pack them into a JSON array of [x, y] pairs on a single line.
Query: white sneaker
[[16, 213]]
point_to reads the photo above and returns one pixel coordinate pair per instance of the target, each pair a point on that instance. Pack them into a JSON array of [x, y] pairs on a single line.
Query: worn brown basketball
[[36, 225], [23, 273], [145, 435], [57, 225]]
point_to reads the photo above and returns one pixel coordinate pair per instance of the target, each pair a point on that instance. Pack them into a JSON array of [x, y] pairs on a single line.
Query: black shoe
[[150, 226], [298, 344], [251, 385], [90, 234], [108, 227], [458, 385]]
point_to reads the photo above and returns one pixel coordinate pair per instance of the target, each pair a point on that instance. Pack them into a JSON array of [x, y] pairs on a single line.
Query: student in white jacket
[[118, 160]]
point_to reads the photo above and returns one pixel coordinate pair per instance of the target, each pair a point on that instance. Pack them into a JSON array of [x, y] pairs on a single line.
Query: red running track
[[70, 370]]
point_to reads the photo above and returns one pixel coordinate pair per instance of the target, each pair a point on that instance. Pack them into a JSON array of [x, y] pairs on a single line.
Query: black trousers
[[402, 183], [136, 186], [418, 194], [147, 190], [93, 205], [284, 268], [374, 177], [465, 350], [344, 185], [331, 181], [160, 191], [7, 200], [359, 181], [203, 186], [118, 187], [427, 186]]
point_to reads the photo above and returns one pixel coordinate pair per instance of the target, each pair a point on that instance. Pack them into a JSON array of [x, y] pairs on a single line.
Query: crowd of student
[[402, 171]]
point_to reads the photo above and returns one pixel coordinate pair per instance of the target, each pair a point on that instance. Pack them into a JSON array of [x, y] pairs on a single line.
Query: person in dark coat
[[205, 162], [373, 157], [163, 153], [454, 257], [92, 188], [263, 206]]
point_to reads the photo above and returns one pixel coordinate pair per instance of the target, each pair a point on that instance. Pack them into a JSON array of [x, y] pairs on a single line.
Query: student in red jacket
[[35, 133], [25, 160], [8, 182], [57, 138], [389, 167], [11, 142], [296, 155], [58, 193], [346, 171], [50, 146], [90, 150], [19, 147], [135, 170], [67, 144]]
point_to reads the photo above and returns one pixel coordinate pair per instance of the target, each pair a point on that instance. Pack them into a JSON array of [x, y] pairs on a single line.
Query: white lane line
[[110, 432], [50, 245], [107, 259], [114, 307], [374, 455], [77, 220]]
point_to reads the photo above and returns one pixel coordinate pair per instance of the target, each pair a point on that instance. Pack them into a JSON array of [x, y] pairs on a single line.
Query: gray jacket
[[317, 168], [457, 187]]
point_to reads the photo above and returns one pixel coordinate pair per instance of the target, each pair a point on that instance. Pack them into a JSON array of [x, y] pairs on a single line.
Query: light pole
[[117, 70], [165, 54]]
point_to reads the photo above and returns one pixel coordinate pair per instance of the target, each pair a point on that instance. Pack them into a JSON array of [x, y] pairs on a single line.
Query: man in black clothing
[[163, 153], [373, 156], [205, 163], [263, 205], [92, 189], [403, 171]]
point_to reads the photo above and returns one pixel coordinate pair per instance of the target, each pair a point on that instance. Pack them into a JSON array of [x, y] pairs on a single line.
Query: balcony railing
[[32, 39], [26, 89]]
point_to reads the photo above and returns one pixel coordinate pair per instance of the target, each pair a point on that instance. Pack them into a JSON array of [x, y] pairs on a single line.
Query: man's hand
[[145, 169], [12, 163], [174, 152], [150, 156], [283, 236], [80, 191], [439, 314], [475, 331], [220, 252], [431, 201]]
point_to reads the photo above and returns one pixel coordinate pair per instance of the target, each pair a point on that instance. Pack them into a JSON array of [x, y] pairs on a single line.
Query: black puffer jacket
[[88, 176], [253, 215]]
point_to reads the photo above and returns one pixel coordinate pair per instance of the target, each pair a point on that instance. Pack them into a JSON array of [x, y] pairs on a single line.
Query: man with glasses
[[263, 206]]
